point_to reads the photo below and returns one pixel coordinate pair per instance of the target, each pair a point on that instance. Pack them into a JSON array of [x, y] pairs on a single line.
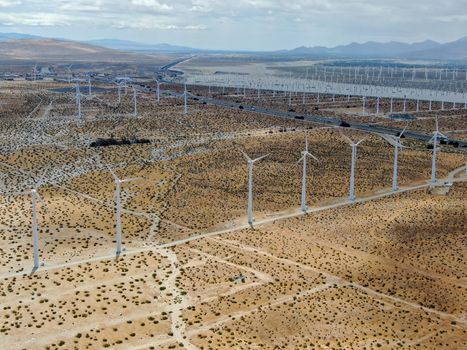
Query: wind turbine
[[35, 197], [35, 72], [78, 100], [354, 160], [185, 101], [135, 107], [158, 91], [395, 185], [118, 206], [435, 138], [305, 154], [251, 162], [396, 142], [89, 86], [69, 72]]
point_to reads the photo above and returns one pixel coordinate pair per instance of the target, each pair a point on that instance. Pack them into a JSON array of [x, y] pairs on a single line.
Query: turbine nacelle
[[252, 161]]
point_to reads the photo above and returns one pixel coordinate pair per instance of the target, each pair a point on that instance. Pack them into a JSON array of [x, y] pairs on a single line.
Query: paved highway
[[373, 128]]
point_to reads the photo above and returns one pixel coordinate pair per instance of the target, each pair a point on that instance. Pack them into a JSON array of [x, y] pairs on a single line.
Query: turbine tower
[[119, 87], [185, 101], [251, 162], [352, 170], [435, 138], [78, 100], [89, 86], [305, 154], [158, 95], [35, 72], [397, 144], [135, 107], [35, 197], [118, 206], [69, 72]]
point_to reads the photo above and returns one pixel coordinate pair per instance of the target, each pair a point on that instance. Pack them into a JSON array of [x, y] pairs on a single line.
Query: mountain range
[[429, 50], [47, 50], [456, 50], [127, 45]]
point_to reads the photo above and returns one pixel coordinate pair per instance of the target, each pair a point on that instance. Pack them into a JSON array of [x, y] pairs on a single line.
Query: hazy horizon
[[255, 25]]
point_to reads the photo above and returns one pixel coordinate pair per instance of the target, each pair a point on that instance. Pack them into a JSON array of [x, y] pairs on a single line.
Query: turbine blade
[[259, 158], [39, 198], [131, 179], [245, 155], [392, 140], [41, 178], [346, 137], [101, 162], [359, 142], [403, 146], [403, 131], [300, 160], [312, 156], [442, 135], [25, 193], [437, 126], [306, 143]]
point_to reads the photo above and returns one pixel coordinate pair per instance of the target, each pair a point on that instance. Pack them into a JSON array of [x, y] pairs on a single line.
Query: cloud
[[151, 23], [153, 4], [34, 19], [9, 3], [257, 24]]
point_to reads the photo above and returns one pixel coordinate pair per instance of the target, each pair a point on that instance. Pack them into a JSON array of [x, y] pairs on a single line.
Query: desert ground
[[386, 271]]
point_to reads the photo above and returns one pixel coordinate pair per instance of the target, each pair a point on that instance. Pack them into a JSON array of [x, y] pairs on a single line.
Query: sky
[[239, 24]]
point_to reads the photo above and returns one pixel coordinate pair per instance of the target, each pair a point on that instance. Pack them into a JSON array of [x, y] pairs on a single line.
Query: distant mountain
[[16, 36], [126, 45], [456, 50], [368, 49], [62, 50]]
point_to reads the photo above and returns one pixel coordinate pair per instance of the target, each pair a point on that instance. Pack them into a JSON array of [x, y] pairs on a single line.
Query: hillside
[[61, 50], [126, 45], [456, 50]]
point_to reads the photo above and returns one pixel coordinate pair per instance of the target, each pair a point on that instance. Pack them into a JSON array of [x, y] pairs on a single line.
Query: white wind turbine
[[89, 86], [354, 146], [158, 96], [119, 88], [185, 101], [118, 206], [395, 185], [35, 197], [434, 140], [135, 107], [69, 72], [251, 162], [34, 72], [304, 158], [396, 142], [78, 100]]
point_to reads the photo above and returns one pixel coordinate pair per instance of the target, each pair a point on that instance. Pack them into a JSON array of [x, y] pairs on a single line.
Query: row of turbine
[[315, 86], [122, 83], [394, 140]]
